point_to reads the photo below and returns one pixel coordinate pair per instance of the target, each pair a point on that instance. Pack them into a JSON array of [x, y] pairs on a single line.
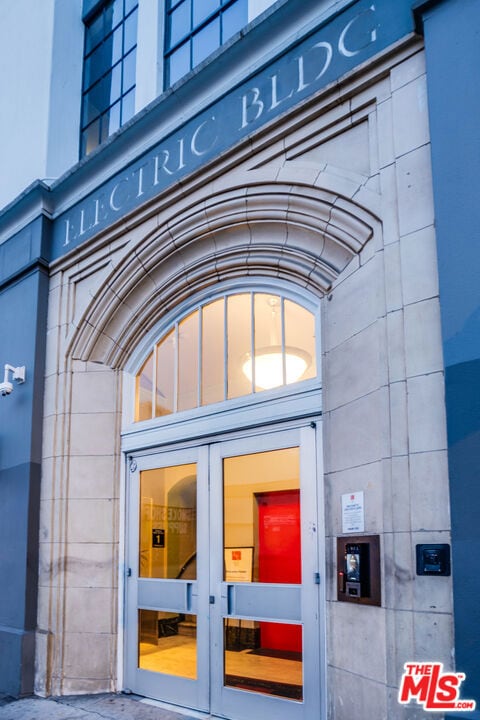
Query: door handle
[[211, 599], [230, 599]]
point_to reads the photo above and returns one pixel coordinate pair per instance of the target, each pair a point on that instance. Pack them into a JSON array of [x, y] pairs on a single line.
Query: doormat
[[282, 654], [293, 692]]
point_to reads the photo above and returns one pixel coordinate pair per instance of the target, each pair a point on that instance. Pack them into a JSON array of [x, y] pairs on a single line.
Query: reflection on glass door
[[168, 645], [167, 641], [263, 545]]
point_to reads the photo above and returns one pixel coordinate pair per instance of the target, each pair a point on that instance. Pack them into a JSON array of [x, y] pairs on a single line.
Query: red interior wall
[[279, 559]]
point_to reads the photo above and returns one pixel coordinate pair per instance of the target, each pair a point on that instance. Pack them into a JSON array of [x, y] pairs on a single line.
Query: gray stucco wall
[[23, 304]]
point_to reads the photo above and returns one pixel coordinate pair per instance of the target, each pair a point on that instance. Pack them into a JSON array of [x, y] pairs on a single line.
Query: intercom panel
[[358, 569]]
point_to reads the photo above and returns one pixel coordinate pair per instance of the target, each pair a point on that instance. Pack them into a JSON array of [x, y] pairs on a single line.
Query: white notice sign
[[353, 513]]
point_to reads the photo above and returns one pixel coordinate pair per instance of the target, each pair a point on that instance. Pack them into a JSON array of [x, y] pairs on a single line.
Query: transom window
[[195, 28], [108, 99], [233, 346]]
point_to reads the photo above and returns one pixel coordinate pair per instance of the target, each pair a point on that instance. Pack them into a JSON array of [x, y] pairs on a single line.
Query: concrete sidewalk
[[107, 706]]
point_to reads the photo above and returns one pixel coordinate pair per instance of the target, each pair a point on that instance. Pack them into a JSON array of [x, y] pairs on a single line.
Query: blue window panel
[[205, 24], [114, 118], [202, 9], [115, 78], [116, 46], [129, 71], [129, 5], [234, 19], [128, 106], [180, 63], [130, 36], [96, 65], [109, 72], [94, 103], [180, 22], [113, 15], [205, 41], [94, 35], [91, 137], [104, 127]]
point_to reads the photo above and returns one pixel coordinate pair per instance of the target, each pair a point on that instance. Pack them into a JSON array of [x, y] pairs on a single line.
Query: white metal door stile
[[167, 588]]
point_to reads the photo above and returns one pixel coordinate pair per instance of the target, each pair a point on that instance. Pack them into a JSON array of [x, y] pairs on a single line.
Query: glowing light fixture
[[269, 366]]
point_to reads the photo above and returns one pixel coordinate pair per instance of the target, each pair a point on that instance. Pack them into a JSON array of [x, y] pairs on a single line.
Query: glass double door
[[222, 600]]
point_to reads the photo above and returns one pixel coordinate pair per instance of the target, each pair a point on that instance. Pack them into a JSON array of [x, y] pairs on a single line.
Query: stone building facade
[[302, 178]]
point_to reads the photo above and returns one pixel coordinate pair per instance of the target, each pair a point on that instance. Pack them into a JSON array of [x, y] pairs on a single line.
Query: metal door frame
[[211, 693]]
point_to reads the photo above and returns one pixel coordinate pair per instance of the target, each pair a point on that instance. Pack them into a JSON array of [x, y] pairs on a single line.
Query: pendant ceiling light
[[269, 366], [275, 364]]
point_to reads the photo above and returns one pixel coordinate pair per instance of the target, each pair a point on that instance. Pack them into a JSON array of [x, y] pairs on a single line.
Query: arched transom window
[[233, 346]]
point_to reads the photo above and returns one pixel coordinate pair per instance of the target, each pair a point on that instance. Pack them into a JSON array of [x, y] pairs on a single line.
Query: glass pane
[[96, 65], [264, 657], [268, 342], [128, 106], [262, 511], [117, 45], [188, 362], [205, 42], [213, 352], [179, 63], [299, 342], [143, 391], [239, 343], [105, 127], [94, 33], [180, 22], [202, 9], [116, 83], [130, 32], [114, 118], [91, 137], [129, 5], [167, 643], [129, 71], [168, 523], [94, 102], [113, 14], [165, 375], [234, 19]]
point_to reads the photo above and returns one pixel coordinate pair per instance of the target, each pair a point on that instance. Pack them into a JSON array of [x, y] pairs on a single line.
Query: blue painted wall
[[452, 43], [23, 313]]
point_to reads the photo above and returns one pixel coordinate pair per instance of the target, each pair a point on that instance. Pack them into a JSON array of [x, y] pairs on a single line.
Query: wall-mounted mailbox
[[433, 559], [358, 569]]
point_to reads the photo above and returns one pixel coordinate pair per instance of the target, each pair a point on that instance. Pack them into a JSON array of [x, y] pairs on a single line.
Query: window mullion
[[282, 322], [154, 382], [225, 349], [252, 336], [200, 356], [175, 370]]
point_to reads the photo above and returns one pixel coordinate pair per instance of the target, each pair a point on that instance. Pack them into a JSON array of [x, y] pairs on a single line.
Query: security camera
[[6, 388], [18, 374]]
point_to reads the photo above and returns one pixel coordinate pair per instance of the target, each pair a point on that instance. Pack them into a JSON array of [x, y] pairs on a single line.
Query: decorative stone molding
[[304, 234]]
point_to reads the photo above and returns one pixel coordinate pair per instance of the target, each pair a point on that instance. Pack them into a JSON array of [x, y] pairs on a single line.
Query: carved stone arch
[[304, 234]]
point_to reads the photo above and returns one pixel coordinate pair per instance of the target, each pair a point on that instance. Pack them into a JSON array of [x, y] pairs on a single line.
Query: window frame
[[248, 405], [170, 7], [103, 116]]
